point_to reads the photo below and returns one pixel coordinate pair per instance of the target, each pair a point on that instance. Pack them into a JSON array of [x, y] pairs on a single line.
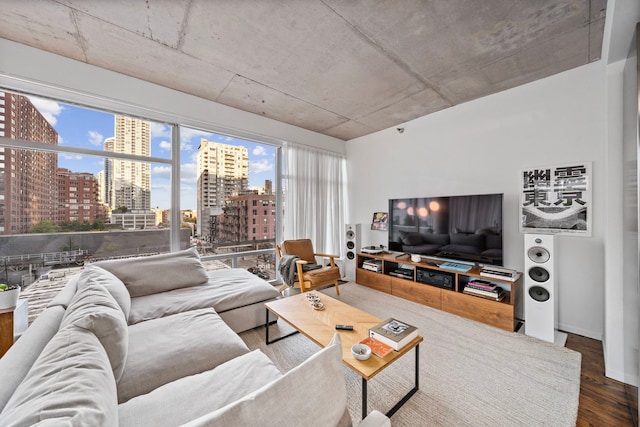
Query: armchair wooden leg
[[337, 289]]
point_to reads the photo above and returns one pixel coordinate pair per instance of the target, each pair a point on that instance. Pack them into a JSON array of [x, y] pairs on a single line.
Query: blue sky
[[85, 128]]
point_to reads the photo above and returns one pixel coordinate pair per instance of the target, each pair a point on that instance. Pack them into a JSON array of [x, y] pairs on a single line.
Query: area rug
[[471, 374]]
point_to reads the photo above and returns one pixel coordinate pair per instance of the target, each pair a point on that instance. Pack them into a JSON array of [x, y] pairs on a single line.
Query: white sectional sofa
[[152, 341]]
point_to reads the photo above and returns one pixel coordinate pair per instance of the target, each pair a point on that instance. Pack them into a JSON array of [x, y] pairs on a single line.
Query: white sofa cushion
[[94, 309], [158, 273], [94, 275], [190, 397], [225, 290], [16, 362], [71, 383], [311, 394], [163, 350]]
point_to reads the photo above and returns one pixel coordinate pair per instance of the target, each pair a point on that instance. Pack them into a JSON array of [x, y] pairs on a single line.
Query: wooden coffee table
[[319, 327]]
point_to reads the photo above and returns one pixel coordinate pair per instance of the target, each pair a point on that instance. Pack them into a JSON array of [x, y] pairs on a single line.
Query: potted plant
[[9, 296]]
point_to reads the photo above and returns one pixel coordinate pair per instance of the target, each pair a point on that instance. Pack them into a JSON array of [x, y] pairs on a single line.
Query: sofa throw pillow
[[71, 383], [158, 273], [94, 309], [93, 275], [320, 376]]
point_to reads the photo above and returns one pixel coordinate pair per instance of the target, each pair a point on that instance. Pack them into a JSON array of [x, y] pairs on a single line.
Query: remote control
[[344, 327]]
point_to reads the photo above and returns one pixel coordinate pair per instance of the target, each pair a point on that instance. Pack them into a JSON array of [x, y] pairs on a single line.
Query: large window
[[80, 183], [222, 179]]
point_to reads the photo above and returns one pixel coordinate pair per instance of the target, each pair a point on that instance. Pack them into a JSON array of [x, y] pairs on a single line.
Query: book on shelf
[[483, 286], [378, 348], [372, 265], [393, 333]]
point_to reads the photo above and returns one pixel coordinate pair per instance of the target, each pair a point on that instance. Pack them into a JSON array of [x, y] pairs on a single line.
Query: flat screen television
[[462, 228]]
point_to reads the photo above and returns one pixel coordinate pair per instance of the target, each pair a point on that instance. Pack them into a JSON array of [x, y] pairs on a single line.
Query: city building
[[27, 178], [78, 197], [137, 219], [223, 172], [106, 176], [130, 181], [248, 218]]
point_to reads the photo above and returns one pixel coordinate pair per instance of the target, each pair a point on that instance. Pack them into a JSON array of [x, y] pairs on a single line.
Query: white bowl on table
[[361, 351]]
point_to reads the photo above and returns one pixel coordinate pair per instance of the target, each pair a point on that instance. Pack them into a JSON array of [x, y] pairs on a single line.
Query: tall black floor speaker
[[540, 287], [352, 238]]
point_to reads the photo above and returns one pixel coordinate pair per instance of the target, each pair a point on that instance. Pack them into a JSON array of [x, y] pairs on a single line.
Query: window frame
[[172, 119]]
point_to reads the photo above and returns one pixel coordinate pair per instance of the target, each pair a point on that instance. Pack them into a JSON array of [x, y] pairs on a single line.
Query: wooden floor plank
[[603, 401]]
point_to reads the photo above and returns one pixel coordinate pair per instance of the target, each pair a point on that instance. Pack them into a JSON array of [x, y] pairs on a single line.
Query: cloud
[[60, 140], [260, 166], [165, 145], [187, 134], [160, 130], [95, 138], [49, 109], [259, 150], [189, 173], [161, 172], [69, 156]]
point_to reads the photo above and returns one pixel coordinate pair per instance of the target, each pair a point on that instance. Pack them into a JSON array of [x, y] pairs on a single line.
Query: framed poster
[[380, 220], [557, 199]]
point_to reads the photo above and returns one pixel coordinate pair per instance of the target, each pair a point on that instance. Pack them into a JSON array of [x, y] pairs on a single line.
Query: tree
[[44, 227]]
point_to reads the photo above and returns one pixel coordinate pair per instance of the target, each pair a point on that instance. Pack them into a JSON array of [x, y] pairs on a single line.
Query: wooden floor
[[603, 401]]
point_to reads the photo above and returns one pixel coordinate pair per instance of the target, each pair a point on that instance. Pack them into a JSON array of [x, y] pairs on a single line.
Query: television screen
[[464, 228]]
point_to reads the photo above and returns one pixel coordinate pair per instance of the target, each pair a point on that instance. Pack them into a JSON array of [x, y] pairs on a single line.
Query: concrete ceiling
[[337, 67]]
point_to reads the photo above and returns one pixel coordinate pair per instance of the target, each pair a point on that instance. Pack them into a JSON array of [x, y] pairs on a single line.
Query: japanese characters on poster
[[557, 199]]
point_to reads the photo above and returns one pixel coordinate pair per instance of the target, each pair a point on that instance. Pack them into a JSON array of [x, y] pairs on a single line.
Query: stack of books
[[394, 333], [485, 289], [372, 265]]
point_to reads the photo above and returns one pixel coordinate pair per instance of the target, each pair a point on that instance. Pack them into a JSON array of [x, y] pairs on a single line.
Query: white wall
[[481, 147]]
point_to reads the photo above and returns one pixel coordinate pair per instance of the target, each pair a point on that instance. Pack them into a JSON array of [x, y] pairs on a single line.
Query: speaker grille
[[539, 274], [539, 293], [538, 255]]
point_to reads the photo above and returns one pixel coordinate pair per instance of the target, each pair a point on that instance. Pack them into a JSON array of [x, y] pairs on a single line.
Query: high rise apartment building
[[223, 172], [28, 192], [106, 176], [78, 197], [130, 181]]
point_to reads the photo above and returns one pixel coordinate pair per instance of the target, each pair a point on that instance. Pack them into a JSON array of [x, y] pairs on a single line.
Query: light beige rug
[[470, 374]]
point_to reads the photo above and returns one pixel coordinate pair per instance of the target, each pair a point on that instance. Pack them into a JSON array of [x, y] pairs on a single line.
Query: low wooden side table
[[13, 321]]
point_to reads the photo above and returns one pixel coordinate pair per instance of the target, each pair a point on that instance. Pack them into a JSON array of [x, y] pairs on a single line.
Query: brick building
[[28, 193]]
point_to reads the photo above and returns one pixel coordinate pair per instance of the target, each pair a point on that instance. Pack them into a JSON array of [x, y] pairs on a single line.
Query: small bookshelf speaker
[[540, 287], [353, 237]]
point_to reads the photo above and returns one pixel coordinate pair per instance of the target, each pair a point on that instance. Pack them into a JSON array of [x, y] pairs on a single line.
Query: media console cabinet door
[[498, 314], [417, 292], [6, 330], [378, 281]]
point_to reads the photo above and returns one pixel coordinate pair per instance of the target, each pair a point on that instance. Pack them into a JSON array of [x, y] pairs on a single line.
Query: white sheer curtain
[[315, 207]]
